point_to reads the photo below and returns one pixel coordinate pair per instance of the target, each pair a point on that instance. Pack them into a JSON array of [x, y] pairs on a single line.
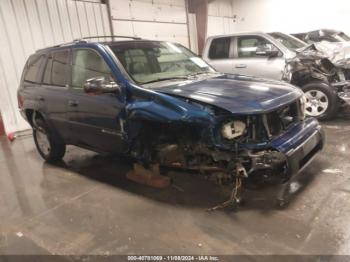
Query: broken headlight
[[233, 129]]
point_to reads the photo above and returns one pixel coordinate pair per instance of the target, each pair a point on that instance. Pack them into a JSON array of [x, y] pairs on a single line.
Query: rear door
[[246, 62], [220, 54], [31, 87], [94, 119], [55, 90]]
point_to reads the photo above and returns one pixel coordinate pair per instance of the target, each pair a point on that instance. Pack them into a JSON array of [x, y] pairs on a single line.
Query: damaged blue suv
[[161, 104]]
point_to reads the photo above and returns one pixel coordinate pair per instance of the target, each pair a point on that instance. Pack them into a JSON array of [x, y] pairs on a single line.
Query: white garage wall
[[291, 16], [220, 17], [28, 25], [151, 19]]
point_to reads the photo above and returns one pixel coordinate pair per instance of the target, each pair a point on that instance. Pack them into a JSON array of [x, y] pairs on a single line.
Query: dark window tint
[[56, 68], [247, 45], [88, 64], [220, 48], [59, 68], [33, 69], [48, 69]]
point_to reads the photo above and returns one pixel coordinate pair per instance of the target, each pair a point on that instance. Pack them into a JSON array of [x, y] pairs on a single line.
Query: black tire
[[53, 151], [329, 92]]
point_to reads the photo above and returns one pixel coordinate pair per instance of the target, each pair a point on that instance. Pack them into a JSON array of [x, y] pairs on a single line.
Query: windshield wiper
[[165, 78], [198, 73], [177, 77]]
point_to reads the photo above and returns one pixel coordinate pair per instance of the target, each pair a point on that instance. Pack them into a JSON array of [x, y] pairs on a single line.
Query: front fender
[[163, 108]]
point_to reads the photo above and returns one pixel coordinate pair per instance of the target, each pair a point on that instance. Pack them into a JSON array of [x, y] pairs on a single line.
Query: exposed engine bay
[[233, 150]]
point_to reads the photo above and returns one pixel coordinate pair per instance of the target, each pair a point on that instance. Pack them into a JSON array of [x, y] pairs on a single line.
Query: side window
[[220, 48], [33, 69], [56, 68], [48, 69], [59, 68], [88, 64], [246, 45]]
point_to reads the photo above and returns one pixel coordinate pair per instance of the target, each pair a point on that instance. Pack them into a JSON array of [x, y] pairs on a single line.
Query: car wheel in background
[[321, 100]]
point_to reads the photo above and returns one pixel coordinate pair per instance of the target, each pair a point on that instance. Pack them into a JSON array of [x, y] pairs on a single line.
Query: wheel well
[[300, 80], [31, 114]]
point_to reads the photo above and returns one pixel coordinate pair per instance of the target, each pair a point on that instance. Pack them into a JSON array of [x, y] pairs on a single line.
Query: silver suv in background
[[281, 57], [328, 35]]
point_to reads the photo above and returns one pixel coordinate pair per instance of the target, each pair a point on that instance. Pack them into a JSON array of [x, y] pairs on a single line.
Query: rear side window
[[48, 69], [88, 64], [33, 69], [220, 48], [56, 68]]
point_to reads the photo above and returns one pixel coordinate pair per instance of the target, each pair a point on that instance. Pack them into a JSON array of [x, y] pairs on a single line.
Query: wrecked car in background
[[162, 105], [328, 63], [323, 35], [283, 57]]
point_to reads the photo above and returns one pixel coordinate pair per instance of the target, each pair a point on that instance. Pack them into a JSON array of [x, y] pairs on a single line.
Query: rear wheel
[[49, 149], [321, 100]]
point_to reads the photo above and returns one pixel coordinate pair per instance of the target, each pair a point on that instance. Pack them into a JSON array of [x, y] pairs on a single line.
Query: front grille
[[278, 121]]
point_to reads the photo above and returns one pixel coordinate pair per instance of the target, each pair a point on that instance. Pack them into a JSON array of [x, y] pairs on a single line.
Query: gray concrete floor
[[86, 206]]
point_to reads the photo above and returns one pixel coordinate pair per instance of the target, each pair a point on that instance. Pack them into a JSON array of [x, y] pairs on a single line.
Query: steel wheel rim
[[43, 142], [316, 103]]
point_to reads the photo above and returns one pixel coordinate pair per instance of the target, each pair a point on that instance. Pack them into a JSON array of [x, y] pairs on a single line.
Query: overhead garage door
[[151, 19], [221, 18]]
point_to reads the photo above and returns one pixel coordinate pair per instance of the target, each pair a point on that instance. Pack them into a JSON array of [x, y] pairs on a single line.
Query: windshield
[[341, 37], [288, 41], [147, 61]]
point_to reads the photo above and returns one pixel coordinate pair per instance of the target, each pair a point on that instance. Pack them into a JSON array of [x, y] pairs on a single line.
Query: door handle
[[40, 98], [241, 66], [73, 103]]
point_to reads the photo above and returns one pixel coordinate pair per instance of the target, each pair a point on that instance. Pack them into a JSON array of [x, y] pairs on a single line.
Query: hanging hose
[[235, 195]]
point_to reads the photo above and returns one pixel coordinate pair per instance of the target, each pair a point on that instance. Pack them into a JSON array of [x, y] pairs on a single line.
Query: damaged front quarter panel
[[319, 62], [182, 132]]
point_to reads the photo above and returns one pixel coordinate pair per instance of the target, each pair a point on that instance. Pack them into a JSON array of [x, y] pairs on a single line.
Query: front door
[[220, 54], [94, 119], [247, 62]]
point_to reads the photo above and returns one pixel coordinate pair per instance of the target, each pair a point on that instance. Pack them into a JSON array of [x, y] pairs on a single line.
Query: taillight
[[20, 100]]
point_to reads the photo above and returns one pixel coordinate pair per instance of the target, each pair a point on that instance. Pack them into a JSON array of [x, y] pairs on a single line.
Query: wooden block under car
[[150, 177]]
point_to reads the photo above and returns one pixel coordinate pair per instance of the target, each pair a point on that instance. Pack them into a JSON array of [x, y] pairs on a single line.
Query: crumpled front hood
[[235, 93], [338, 53]]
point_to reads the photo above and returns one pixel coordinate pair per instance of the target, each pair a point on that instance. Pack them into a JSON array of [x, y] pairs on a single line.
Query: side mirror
[[101, 85], [267, 50]]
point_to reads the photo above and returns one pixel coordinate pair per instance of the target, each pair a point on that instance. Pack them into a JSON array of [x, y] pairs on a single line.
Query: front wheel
[[321, 100], [48, 148]]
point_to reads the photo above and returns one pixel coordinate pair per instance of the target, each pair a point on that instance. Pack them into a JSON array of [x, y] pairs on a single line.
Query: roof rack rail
[[108, 36], [83, 39], [60, 45]]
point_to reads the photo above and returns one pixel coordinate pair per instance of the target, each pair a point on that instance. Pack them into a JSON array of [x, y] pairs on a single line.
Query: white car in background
[[320, 71]]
